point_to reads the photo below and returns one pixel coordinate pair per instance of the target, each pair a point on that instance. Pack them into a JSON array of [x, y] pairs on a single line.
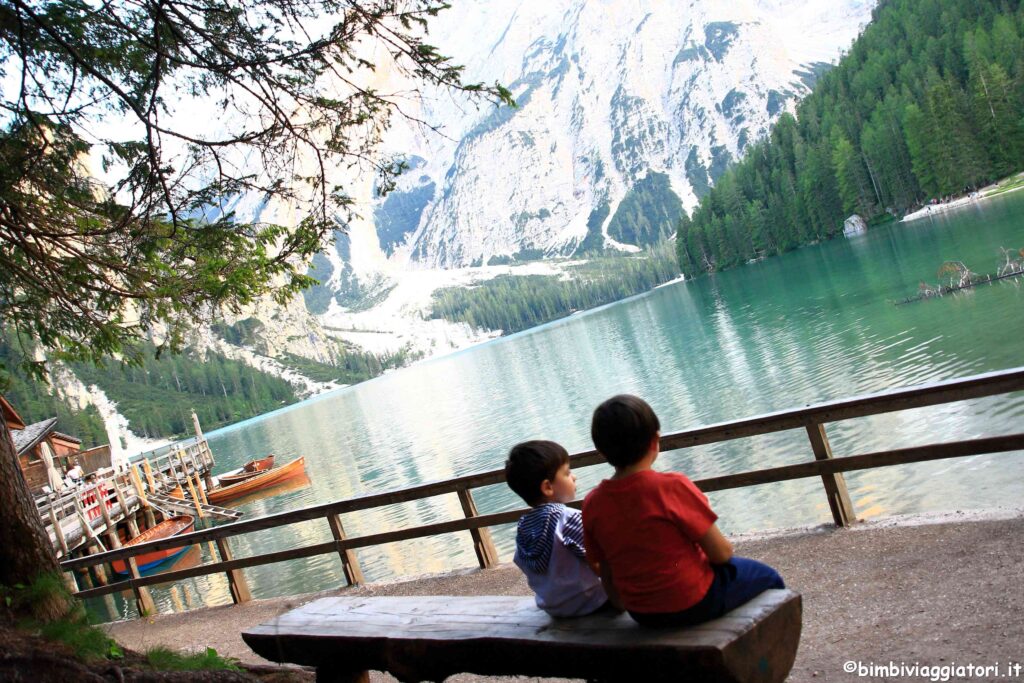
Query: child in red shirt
[[662, 557]]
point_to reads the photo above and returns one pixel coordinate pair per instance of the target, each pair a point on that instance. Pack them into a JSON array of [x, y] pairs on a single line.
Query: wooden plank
[[349, 562], [195, 496], [866, 461], [977, 386], [137, 483], [122, 500], [236, 579], [432, 637], [200, 489], [149, 476], [839, 501], [483, 545], [58, 531]]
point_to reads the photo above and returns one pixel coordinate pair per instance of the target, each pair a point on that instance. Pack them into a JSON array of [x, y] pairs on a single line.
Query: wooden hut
[[44, 454]]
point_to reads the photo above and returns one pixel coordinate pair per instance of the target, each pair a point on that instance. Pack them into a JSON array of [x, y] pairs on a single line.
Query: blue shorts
[[735, 582]]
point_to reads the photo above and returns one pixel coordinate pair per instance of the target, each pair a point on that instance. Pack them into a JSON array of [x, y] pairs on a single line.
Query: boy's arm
[[609, 586], [715, 546]]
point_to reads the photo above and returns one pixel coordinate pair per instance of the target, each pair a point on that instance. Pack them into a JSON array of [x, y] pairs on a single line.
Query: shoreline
[[930, 588], [985, 193]]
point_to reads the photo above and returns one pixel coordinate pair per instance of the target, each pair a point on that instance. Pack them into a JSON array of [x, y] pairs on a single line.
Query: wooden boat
[[246, 471], [260, 481], [259, 465], [174, 526]]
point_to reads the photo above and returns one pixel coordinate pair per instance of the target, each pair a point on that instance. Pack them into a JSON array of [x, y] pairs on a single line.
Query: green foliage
[[87, 642], [87, 266], [34, 400], [926, 103], [352, 365], [647, 214], [69, 625], [165, 659], [516, 302], [157, 395], [242, 333]]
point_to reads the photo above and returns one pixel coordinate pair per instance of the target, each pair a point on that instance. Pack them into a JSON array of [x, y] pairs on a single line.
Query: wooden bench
[[431, 638]]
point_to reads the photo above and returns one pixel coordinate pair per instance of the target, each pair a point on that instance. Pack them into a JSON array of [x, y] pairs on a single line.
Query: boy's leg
[[747, 579]]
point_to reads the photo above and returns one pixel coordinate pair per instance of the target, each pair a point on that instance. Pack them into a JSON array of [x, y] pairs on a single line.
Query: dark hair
[[529, 464], [622, 429]]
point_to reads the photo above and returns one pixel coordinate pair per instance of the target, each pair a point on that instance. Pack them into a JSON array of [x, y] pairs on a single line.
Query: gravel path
[[934, 590]]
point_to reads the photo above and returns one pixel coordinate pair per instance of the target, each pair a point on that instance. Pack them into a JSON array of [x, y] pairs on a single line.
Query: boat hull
[[166, 529], [260, 481]]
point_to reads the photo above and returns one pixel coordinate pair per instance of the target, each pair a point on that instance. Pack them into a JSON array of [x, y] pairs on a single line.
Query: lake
[[816, 324]]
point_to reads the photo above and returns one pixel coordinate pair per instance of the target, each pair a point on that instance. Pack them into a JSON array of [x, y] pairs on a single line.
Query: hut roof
[[10, 415], [67, 437], [27, 438]]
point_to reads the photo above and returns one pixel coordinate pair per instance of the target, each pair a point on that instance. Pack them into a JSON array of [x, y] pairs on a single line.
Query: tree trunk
[[25, 550]]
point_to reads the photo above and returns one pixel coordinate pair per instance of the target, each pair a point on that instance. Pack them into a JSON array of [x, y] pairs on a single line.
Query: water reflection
[[816, 324]]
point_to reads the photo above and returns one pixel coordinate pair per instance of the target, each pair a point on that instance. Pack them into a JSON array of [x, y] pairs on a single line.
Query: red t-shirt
[[646, 527]]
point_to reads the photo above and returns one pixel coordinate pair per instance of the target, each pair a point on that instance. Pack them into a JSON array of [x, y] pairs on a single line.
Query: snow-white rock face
[[123, 441], [625, 109], [628, 112], [648, 97]]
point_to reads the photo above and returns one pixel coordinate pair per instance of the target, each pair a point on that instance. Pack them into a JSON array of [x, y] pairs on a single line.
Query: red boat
[[246, 471], [174, 526]]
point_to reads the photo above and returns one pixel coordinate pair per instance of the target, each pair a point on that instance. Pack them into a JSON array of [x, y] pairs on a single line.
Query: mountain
[[628, 113]]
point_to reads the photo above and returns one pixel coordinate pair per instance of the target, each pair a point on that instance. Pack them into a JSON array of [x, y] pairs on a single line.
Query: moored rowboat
[[246, 471], [260, 481], [174, 526]]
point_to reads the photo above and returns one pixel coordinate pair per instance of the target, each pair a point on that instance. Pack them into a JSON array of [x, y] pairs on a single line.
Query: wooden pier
[[78, 516]]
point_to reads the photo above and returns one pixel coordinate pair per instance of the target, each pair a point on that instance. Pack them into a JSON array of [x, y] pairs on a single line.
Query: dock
[[170, 484]]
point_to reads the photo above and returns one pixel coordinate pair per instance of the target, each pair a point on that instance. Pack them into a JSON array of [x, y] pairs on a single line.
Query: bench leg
[[329, 674]]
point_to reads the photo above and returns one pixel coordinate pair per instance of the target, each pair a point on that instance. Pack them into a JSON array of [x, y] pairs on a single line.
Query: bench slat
[[430, 638]]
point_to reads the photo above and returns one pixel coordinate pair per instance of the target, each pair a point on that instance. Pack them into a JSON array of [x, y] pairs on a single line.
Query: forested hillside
[[515, 302], [35, 401], [158, 396], [927, 103]]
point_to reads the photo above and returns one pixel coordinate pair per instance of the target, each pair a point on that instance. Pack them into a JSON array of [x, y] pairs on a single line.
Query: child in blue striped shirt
[[549, 538]]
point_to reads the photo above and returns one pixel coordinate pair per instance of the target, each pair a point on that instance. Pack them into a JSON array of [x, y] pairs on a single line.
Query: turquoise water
[[816, 324]]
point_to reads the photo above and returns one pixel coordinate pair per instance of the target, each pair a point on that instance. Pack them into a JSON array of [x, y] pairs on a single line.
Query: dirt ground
[[932, 590]]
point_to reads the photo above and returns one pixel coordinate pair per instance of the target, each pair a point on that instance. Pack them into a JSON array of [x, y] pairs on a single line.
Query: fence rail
[[811, 419]]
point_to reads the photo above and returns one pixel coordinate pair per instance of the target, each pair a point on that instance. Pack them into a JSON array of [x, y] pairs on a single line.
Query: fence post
[[58, 531], [353, 573], [148, 469], [195, 499], [835, 484], [143, 600], [239, 588], [482, 543]]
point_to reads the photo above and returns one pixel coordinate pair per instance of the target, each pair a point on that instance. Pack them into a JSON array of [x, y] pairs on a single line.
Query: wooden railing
[[811, 419]]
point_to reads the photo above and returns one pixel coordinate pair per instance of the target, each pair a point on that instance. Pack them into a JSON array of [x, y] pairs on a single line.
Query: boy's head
[[623, 429], [539, 472]]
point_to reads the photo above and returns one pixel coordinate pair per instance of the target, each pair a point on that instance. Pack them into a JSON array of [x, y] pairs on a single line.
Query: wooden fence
[[811, 420]]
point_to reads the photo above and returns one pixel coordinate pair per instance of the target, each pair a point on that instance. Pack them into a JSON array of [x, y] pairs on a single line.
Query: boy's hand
[[715, 546], [609, 587]]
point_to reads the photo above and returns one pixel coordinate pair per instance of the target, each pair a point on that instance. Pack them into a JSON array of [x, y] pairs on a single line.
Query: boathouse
[[44, 454]]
